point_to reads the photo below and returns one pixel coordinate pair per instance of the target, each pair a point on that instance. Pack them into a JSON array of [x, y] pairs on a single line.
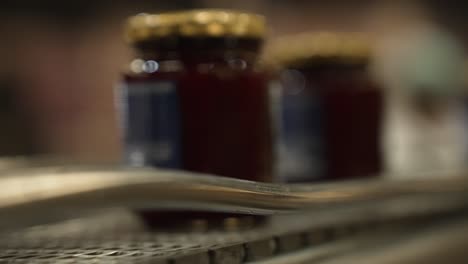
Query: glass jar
[[194, 98], [330, 108]]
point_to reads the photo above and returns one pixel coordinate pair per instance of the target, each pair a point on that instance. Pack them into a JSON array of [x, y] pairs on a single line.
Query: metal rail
[[40, 195]]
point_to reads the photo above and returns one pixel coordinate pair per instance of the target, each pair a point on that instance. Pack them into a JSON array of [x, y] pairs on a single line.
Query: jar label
[[151, 123], [300, 149]]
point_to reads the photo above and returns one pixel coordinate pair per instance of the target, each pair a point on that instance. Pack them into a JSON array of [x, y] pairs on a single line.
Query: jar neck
[[217, 57], [201, 50]]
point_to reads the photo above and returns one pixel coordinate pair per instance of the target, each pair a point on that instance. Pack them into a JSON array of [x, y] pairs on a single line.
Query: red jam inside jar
[[194, 98], [352, 114]]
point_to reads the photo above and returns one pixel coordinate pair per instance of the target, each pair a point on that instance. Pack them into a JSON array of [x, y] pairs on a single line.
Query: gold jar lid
[[195, 23], [308, 47]]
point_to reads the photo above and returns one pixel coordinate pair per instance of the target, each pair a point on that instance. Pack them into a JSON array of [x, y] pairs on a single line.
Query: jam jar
[[195, 98], [330, 108]]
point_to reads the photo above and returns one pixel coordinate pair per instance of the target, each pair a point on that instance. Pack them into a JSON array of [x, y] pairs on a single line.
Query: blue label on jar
[[300, 149], [151, 124]]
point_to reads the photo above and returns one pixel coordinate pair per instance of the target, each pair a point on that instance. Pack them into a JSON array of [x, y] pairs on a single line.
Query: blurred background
[[61, 60]]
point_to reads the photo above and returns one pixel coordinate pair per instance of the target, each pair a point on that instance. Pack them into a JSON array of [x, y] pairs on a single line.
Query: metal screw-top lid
[[195, 23], [324, 46]]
